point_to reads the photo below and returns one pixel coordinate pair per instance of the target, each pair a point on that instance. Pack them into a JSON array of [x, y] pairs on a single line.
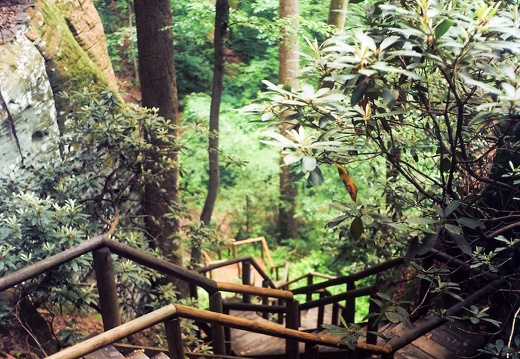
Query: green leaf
[[413, 249], [420, 220], [316, 177], [451, 207], [468, 81], [337, 221], [427, 244], [443, 27], [461, 242], [356, 228], [393, 317], [358, 92], [470, 222], [390, 97], [452, 228]]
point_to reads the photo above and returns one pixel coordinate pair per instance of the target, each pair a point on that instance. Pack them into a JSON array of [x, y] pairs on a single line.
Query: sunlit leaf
[[308, 164], [443, 27]]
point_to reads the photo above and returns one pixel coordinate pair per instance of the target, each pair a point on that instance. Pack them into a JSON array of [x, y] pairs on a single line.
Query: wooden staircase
[[225, 323]]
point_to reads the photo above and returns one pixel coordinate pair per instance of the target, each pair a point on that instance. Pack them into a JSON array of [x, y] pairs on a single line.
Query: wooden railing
[[102, 249], [349, 295], [170, 315]]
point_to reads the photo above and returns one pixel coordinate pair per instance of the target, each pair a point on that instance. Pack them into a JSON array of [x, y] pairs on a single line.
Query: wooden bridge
[[234, 326]]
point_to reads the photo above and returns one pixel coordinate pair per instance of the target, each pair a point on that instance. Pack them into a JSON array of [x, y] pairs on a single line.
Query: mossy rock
[[70, 67]]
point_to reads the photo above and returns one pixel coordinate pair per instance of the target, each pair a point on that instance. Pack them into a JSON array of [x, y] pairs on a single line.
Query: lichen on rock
[[27, 106]]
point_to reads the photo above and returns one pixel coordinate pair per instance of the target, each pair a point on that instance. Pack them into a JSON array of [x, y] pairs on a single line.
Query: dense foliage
[[414, 105], [86, 182], [431, 90]]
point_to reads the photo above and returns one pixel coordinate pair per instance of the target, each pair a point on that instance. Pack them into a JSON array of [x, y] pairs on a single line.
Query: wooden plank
[[426, 344], [108, 352], [410, 351], [138, 354]]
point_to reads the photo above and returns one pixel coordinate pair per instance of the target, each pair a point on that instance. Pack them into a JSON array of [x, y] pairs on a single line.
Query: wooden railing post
[[308, 297], [311, 351], [194, 291], [335, 314], [246, 279], [174, 338], [292, 321], [265, 299], [350, 306], [372, 325], [217, 331], [321, 311], [106, 285]]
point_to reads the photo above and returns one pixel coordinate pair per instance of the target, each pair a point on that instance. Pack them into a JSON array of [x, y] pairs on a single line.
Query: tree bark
[[221, 24], [159, 90], [337, 13], [289, 64]]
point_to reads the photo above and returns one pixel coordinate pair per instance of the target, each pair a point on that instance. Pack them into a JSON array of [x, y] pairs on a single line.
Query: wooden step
[[108, 352]]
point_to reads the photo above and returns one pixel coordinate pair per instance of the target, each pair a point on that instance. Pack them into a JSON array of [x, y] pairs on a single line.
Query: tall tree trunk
[[289, 64], [159, 90], [221, 23], [337, 13]]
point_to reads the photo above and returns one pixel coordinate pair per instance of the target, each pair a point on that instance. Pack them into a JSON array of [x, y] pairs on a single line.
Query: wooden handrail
[[111, 336], [265, 248], [409, 336], [242, 259], [272, 329], [33, 270], [350, 278], [252, 290], [307, 275], [172, 311], [351, 294], [161, 265]]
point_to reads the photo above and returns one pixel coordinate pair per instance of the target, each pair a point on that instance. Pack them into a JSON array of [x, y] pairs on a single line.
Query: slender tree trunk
[[221, 23], [289, 64], [337, 13], [159, 90]]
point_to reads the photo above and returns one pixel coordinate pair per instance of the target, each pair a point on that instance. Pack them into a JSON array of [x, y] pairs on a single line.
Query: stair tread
[[161, 356], [108, 352], [137, 354]]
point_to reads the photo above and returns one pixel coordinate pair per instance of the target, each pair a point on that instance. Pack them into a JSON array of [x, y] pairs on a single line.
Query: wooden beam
[[162, 266], [44, 265], [273, 329], [411, 335], [118, 333], [248, 289]]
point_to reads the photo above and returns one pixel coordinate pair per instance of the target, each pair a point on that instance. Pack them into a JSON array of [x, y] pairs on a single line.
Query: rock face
[[27, 106], [70, 36], [53, 46]]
